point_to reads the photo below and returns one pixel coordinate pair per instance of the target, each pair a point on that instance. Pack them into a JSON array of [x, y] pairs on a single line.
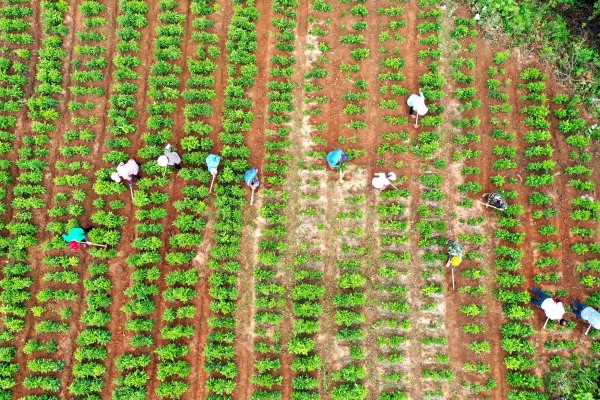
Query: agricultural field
[[323, 288]]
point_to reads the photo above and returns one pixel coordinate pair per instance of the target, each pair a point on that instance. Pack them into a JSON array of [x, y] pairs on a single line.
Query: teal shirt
[[413, 98], [76, 234]]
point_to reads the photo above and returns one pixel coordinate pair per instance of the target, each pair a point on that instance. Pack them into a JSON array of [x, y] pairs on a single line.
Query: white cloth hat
[[163, 161], [115, 177], [391, 176], [421, 108], [213, 171]]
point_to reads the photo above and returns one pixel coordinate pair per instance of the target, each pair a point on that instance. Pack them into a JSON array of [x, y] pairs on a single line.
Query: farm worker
[[553, 309], [586, 313], [169, 158], [382, 181], [336, 157], [126, 171], [496, 201], [455, 252], [417, 103], [75, 235], [212, 162], [251, 179]]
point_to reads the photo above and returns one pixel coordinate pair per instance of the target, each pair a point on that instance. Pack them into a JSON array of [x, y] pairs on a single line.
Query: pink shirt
[[126, 171]]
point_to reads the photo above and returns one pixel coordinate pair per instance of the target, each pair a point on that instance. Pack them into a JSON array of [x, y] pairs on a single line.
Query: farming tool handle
[[211, 183], [489, 205], [545, 323], [588, 329], [131, 190], [252, 197], [93, 244]]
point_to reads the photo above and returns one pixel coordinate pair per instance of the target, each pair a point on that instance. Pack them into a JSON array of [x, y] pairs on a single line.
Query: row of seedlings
[[152, 199], [15, 30], [89, 64], [308, 268], [508, 254], [585, 212], [188, 225], [430, 225], [44, 112], [476, 370], [348, 376], [269, 301], [237, 117], [393, 307], [132, 378], [541, 178]]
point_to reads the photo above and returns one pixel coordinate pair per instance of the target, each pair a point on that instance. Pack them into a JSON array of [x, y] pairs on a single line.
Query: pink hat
[[74, 245]]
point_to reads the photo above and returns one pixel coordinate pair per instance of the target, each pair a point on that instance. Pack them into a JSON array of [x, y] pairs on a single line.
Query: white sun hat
[[163, 161], [391, 176], [421, 108], [115, 177]]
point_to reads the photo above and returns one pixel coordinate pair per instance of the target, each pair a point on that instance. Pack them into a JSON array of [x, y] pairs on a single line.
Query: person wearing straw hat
[[380, 181], [336, 157], [417, 103], [169, 158], [553, 309], [586, 313], [126, 171]]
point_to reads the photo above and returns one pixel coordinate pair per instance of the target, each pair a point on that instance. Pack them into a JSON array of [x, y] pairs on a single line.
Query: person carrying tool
[[169, 158], [553, 309], [251, 179], [586, 313], [336, 157], [126, 171], [455, 253], [212, 163], [416, 102], [495, 200], [381, 181]]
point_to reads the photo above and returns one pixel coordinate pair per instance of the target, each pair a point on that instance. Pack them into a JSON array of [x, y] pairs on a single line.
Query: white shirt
[[554, 311], [380, 181], [126, 171], [172, 157]]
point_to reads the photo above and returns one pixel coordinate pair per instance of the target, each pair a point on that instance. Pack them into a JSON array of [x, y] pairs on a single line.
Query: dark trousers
[[578, 308], [411, 111], [543, 296], [178, 166]]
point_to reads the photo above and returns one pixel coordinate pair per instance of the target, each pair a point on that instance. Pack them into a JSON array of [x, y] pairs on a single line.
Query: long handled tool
[[417, 121], [252, 197], [447, 265], [93, 244], [164, 171], [489, 205], [211, 183], [341, 173], [545, 323], [131, 191], [588, 329]]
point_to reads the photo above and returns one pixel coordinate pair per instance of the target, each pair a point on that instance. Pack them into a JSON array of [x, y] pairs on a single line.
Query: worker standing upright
[[553, 309], [416, 102]]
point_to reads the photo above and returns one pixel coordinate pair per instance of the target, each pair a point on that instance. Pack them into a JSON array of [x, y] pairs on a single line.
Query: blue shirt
[[334, 157], [76, 234], [592, 316]]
